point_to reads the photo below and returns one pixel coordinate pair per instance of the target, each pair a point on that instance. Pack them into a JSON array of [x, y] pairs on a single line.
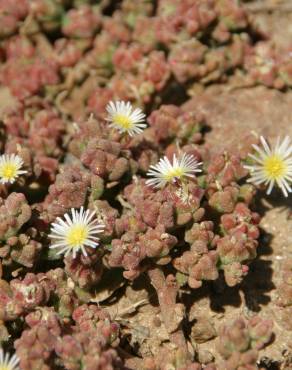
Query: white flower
[[10, 168], [7, 362], [74, 234], [164, 172], [124, 118], [273, 165]]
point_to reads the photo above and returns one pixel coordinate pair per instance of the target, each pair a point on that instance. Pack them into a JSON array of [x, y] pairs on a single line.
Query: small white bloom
[[273, 165], [10, 168], [7, 362], [164, 171], [74, 234], [124, 118]]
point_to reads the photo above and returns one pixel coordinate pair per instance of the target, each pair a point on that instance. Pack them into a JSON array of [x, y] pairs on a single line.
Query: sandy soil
[[231, 116]]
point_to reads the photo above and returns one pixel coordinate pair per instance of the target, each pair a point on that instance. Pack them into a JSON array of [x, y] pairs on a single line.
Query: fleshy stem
[[172, 313]]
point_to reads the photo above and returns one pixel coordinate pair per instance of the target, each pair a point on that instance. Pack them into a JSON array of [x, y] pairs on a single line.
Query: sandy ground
[[231, 117]]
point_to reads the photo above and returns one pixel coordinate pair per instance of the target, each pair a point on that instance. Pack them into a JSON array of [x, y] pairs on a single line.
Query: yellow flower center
[[76, 236], [8, 171], [5, 367], [275, 167], [175, 173], [123, 121]]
